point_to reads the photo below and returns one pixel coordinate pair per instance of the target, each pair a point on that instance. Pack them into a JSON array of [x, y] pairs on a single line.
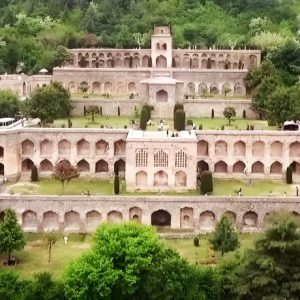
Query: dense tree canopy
[[31, 30], [129, 262], [9, 104]]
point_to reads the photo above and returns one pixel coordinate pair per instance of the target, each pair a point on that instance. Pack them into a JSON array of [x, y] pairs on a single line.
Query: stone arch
[[225, 88], [190, 89], [46, 166], [250, 220], [135, 214], [27, 165], [161, 218], [160, 178], [1, 169], [258, 149], [258, 167], [29, 221], [131, 88], [66, 162], [295, 167], [83, 147], [72, 87], [46, 148], [109, 62], [221, 167], [268, 218], [295, 149], [83, 86], [1, 151], [239, 149], [186, 62], [96, 87], [72, 221], [276, 168], [127, 62], [50, 221], [202, 89], [120, 88], [64, 147], [231, 216], [118, 62], [145, 61], [239, 167], [136, 62], [83, 166], [114, 216], [221, 64], [207, 220], [162, 96], [276, 149], [27, 147], [177, 61], [202, 148], [108, 87], [195, 63], [141, 178], [221, 148], [202, 166], [180, 179], [101, 148], [252, 60], [101, 166], [93, 219], [187, 217], [238, 90], [204, 64], [214, 89], [120, 166], [161, 62], [120, 147]]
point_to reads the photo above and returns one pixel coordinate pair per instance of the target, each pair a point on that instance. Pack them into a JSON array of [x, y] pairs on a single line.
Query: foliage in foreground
[[127, 262]]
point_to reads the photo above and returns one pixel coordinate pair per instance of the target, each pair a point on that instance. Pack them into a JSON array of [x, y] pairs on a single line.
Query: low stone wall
[[83, 214]]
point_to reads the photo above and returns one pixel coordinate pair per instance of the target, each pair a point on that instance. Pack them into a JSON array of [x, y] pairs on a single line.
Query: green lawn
[[120, 122], [222, 187], [34, 258]]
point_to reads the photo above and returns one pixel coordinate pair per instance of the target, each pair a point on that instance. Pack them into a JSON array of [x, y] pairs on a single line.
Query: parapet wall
[[81, 214]]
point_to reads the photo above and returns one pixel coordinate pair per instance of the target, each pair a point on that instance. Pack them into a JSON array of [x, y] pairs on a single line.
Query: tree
[[11, 235], [34, 174], [179, 121], [144, 118], [11, 286], [206, 185], [127, 262], [289, 175], [61, 56], [224, 238], [50, 239], [117, 184], [229, 113], [271, 270], [49, 102], [9, 104], [65, 172]]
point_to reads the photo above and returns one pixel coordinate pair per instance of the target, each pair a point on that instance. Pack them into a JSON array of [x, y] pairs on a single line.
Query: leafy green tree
[[11, 286], [224, 238], [9, 104], [50, 239], [127, 262], [11, 234], [144, 118], [179, 121], [49, 102], [229, 113], [207, 184], [271, 270]]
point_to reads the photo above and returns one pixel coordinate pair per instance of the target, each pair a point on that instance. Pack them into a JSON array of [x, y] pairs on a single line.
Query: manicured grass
[[74, 187], [120, 122], [76, 96], [222, 187], [256, 188], [204, 254], [34, 258]]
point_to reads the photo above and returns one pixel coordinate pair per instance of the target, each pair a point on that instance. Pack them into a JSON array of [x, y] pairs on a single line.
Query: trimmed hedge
[[289, 175], [179, 121], [206, 185], [117, 184], [34, 174], [144, 118]]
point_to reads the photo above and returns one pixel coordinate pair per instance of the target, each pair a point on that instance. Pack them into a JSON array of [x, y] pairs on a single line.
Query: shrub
[[84, 110], [200, 126], [125, 126], [70, 123], [117, 184], [244, 114], [176, 107], [179, 120], [34, 174], [119, 112], [196, 241], [190, 122], [289, 175], [206, 185], [212, 113], [222, 127], [100, 110], [101, 126], [144, 118]]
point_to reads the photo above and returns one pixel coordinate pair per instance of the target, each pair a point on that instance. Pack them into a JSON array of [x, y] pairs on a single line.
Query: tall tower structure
[[161, 47]]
